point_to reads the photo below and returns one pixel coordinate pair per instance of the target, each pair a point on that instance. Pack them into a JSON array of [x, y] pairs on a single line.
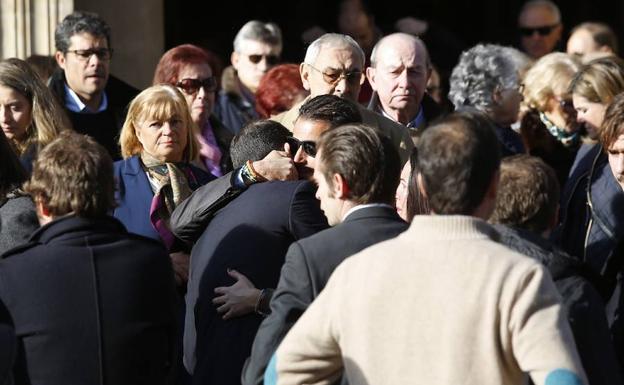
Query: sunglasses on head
[[309, 146], [542, 31], [270, 59], [191, 86]]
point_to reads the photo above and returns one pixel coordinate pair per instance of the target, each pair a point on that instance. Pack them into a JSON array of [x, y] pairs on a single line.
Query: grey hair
[[268, 33], [414, 39], [480, 71], [543, 3], [80, 22], [332, 40]]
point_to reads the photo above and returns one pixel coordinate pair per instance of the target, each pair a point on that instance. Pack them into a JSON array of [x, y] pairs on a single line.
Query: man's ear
[[60, 59], [370, 75], [497, 96], [305, 74], [340, 187], [235, 58]]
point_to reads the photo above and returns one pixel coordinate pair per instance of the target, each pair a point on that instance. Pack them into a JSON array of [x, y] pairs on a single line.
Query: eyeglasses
[[270, 59], [85, 54], [567, 105], [542, 31], [309, 146], [332, 78], [192, 86]]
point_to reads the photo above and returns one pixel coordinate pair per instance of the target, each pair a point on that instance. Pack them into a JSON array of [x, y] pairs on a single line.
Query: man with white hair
[[334, 65], [400, 68], [539, 24], [257, 48]]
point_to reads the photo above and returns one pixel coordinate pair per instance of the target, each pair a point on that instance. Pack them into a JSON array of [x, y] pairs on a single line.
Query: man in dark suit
[[357, 171], [250, 235], [90, 303]]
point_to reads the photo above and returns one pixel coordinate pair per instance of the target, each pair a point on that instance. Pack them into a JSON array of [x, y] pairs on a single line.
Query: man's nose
[[300, 156]]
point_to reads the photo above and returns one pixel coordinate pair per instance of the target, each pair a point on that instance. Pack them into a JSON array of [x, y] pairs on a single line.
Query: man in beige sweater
[[442, 303], [334, 64]]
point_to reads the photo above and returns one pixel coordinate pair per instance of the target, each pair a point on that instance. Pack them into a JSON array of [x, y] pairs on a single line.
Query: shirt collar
[[418, 121], [359, 207], [74, 104]]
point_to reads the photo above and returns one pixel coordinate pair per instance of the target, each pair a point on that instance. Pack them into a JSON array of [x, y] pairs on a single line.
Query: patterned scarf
[[568, 139], [172, 187]]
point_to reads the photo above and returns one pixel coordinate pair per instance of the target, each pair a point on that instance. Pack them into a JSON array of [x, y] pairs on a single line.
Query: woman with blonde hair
[[158, 143], [548, 127], [592, 200], [31, 116]]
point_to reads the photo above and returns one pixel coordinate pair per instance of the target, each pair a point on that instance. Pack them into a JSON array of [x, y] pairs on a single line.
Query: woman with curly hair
[[31, 117], [487, 78]]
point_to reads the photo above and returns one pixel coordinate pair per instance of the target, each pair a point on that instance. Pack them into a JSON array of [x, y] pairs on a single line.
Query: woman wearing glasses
[[187, 67], [31, 116], [549, 128]]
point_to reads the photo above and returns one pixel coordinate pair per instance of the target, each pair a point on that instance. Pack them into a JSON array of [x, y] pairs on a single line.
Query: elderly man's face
[[540, 31], [336, 71], [400, 78], [253, 61]]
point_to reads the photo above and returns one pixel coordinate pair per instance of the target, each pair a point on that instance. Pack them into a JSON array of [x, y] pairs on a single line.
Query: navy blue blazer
[[134, 195]]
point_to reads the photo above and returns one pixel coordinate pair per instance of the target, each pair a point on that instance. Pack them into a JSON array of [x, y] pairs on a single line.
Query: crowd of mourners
[[346, 219]]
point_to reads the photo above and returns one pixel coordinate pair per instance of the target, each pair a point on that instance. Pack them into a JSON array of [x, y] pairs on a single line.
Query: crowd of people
[[337, 220]]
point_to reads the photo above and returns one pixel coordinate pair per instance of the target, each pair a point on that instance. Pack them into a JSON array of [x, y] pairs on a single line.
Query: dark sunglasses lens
[[542, 31], [190, 86], [210, 84], [293, 143], [309, 148], [255, 58], [354, 77]]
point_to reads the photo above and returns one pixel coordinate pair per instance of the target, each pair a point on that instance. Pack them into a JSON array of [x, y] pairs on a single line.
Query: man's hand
[[180, 263], [278, 165], [238, 299]]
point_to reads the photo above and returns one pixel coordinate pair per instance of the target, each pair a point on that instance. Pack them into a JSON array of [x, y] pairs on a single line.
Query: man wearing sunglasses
[[95, 101], [539, 24], [257, 48], [334, 64]]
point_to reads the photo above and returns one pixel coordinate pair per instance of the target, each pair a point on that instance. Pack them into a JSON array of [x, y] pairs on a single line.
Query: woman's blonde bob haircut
[[550, 76], [160, 102]]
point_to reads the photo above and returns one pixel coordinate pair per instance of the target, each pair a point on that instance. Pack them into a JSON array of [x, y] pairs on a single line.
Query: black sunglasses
[[191, 86], [542, 31], [270, 59], [309, 146]]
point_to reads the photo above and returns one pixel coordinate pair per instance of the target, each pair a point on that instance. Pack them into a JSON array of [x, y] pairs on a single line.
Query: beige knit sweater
[[440, 304]]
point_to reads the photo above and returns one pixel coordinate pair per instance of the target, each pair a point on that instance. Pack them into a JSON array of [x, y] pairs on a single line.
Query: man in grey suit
[[357, 171]]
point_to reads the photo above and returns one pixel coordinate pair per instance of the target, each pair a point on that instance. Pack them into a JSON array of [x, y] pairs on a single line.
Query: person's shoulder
[[119, 93]]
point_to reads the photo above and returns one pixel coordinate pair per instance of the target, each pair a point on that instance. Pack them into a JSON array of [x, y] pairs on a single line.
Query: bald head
[[399, 71]]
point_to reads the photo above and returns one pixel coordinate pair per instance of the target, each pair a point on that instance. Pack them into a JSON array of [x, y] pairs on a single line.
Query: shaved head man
[[398, 74]]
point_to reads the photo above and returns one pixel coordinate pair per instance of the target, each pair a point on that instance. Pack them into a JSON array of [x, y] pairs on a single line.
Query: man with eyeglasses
[[257, 48], [334, 65], [95, 101], [539, 24], [400, 68]]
